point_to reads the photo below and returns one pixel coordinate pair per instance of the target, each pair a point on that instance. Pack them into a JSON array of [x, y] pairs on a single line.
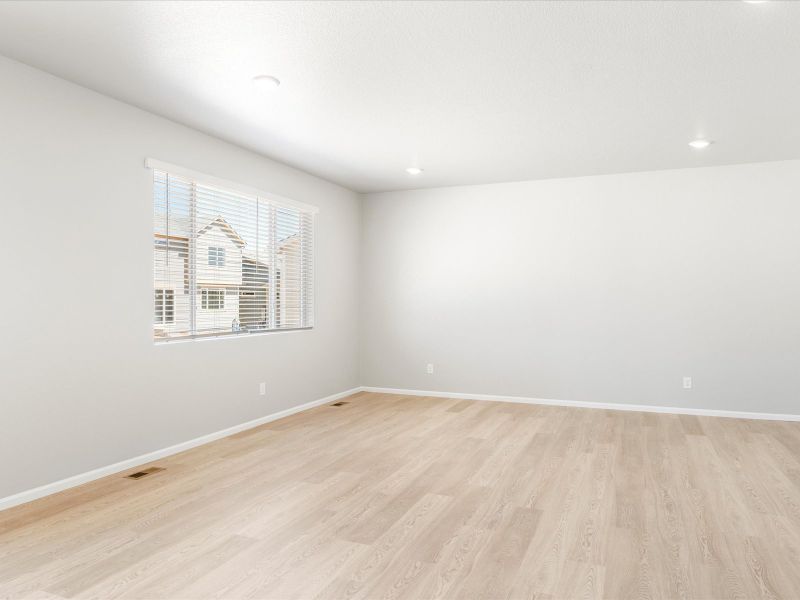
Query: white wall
[[606, 289], [82, 384]]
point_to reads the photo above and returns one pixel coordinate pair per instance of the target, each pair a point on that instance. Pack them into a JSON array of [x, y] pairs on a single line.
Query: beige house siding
[[225, 278], [219, 236], [217, 320]]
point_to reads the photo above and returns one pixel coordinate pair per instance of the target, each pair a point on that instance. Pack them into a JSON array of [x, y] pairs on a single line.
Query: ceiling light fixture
[[266, 83], [700, 144], [413, 170]]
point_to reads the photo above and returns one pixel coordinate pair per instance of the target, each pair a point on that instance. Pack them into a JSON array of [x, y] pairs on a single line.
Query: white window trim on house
[[164, 306], [216, 256], [218, 295], [271, 198]]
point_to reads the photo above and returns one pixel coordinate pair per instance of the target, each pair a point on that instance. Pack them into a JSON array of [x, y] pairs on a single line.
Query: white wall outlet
[[430, 368], [262, 388], [687, 383]]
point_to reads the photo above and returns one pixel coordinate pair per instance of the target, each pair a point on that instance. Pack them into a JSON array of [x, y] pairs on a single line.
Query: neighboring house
[[171, 284], [254, 294], [232, 285], [219, 276], [287, 279]]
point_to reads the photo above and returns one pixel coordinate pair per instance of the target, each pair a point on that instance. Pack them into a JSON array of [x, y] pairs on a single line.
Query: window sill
[[228, 336]]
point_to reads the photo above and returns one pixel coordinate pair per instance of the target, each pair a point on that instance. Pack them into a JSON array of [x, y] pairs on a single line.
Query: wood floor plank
[[409, 497]]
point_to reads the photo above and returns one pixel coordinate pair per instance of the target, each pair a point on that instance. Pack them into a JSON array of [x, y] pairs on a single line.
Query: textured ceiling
[[472, 92]]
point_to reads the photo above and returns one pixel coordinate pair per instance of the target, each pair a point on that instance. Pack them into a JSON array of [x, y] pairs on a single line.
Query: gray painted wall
[[606, 289], [83, 386]]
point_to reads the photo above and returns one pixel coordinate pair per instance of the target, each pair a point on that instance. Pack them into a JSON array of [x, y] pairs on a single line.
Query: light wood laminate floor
[[410, 497]]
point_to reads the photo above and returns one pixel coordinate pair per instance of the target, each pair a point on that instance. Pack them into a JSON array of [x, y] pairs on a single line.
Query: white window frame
[[163, 308], [225, 184], [205, 298], [216, 256]]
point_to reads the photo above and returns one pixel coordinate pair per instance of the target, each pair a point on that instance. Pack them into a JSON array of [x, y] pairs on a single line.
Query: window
[[213, 299], [216, 257], [165, 306], [228, 261]]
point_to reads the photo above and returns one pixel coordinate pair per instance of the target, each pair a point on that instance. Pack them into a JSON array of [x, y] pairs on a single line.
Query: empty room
[[400, 300]]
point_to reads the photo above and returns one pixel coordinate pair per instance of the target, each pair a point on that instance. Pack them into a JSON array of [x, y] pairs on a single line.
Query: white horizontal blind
[[228, 263]]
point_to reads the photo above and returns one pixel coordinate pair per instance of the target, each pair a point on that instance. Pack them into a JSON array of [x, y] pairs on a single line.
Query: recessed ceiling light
[[265, 83], [700, 144], [413, 170]]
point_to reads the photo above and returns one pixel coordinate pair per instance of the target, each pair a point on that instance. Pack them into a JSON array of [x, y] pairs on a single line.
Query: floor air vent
[[145, 473], [338, 403]]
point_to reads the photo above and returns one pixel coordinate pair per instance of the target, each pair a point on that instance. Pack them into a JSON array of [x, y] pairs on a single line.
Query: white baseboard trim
[[676, 410], [75, 480]]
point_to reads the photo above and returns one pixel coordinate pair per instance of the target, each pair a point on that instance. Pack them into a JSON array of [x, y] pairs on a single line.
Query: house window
[[213, 299], [165, 306], [228, 260], [216, 256]]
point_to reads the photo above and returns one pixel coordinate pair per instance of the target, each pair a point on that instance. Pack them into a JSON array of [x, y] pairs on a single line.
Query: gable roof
[[226, 227]]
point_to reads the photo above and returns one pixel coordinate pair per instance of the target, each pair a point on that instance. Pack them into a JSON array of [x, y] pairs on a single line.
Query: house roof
[[249, 258], [164, 236], [226, 227]]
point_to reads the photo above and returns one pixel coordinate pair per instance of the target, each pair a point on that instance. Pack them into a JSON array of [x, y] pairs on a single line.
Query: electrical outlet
[[262, 388], [430, 369], [687, 383]]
